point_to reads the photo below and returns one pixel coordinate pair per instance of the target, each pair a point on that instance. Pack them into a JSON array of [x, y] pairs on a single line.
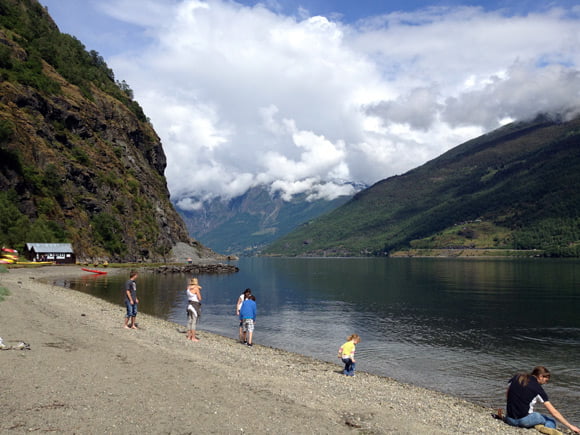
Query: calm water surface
[[458, 326]]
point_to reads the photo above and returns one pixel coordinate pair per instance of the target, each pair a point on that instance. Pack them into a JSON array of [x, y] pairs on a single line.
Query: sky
[[314, 96]]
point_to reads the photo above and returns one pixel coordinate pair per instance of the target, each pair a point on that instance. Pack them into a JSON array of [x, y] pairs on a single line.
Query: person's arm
[[560, 417], [129, 296], [239, 304], [198, 292]]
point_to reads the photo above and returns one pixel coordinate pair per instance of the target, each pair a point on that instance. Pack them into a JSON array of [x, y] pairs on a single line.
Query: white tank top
[[192, 297]]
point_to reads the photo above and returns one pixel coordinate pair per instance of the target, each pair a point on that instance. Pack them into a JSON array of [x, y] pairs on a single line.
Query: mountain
[[247, 223], [513, 188], [79, 160]]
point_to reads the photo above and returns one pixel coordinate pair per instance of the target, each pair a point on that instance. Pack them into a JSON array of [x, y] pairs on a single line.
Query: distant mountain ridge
[[521, 180], [246, 224]]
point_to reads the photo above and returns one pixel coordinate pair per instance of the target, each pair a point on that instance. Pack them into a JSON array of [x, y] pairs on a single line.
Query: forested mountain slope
[[79, 160], [521, 181]]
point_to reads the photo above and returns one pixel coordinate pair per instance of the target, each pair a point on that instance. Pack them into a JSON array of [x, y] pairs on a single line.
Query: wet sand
[[85, 373]]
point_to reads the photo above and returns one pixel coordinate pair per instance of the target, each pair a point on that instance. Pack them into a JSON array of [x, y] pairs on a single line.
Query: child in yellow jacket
[[346, 353]]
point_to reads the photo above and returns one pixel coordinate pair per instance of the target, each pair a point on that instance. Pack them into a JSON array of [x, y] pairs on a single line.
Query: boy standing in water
[[248, 318], [131, 301], [346, 353]]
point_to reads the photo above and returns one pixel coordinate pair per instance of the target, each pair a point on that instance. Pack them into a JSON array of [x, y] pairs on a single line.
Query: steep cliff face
[[78, 162]]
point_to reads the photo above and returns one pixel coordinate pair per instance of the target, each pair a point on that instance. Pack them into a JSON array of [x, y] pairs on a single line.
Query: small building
[[60, 253]]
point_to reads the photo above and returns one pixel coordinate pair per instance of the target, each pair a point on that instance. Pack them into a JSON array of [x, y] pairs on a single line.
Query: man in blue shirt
[[248, 318]]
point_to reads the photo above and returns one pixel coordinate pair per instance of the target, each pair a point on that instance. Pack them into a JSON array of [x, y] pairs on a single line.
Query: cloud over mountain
[[245, 95]]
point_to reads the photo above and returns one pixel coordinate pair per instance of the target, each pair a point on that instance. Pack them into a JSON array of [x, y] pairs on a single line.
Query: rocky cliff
[[79, 161]]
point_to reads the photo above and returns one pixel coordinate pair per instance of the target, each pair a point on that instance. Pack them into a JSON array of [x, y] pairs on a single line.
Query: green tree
[[108, 233]]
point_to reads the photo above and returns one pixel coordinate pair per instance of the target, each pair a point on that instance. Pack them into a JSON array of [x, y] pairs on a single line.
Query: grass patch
[[3, 292], [469, 235]]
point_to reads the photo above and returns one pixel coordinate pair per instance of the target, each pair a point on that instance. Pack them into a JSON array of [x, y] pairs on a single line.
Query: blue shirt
[[248, 310]]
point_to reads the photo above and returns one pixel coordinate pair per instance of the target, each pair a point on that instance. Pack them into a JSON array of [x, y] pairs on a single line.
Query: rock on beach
[[85, 373]]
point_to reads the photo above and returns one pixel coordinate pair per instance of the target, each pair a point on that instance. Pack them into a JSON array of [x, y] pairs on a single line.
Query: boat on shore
[[8, 256], [98, 272]]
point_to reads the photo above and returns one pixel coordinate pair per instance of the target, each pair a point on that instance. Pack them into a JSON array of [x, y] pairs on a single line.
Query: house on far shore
[[60, 253]]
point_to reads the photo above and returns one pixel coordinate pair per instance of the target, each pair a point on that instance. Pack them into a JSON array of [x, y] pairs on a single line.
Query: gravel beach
[[85, 373]]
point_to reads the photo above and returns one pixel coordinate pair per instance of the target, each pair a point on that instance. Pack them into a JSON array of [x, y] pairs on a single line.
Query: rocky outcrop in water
[[197, 269]]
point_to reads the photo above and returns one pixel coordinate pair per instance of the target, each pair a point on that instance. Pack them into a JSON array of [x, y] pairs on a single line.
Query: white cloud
[[519, 95], [244, 95]]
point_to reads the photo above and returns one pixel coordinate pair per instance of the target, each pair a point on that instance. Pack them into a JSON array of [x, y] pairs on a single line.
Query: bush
[[6, 131], [108, 233]]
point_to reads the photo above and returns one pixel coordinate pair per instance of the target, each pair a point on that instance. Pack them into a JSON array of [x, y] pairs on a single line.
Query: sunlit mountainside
[[513, 188], [79, 160]]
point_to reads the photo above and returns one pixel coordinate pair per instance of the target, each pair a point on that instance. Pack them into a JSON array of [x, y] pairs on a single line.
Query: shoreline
[[86, 373]]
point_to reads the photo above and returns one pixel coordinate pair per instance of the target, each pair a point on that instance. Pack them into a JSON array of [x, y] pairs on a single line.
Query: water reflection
[[458, 326]]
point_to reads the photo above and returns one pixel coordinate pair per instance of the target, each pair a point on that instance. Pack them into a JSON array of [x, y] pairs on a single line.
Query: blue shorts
[[131, 309]]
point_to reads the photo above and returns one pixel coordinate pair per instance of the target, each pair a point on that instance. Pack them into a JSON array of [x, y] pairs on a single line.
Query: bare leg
[[193, 337]]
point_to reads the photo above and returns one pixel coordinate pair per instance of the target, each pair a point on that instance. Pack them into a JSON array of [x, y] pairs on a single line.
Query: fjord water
[[460, 326]]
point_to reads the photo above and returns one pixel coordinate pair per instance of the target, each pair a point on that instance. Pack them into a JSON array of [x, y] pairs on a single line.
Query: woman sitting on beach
[[523, 392], [193, 308]]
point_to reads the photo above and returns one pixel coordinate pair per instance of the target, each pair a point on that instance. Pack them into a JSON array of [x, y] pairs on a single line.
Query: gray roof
[[60, 248]]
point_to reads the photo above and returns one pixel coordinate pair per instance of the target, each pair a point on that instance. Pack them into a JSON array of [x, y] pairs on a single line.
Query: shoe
[[547, 430], [250, 344]]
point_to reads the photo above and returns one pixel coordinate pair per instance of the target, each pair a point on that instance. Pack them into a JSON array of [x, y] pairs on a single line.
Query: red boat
[[99, 272]]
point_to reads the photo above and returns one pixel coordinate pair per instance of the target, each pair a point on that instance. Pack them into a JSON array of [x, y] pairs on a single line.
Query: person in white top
[[193, 308], [245, 295]]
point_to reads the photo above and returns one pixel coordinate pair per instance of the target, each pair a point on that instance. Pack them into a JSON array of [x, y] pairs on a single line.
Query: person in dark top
[[131, 301], [524, 391]]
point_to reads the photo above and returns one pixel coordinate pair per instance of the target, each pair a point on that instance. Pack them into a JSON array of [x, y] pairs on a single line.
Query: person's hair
[[132, 273], [248, 291], [524, 378], [352, 337], [193, 281], [252, 297], [540, 371]]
